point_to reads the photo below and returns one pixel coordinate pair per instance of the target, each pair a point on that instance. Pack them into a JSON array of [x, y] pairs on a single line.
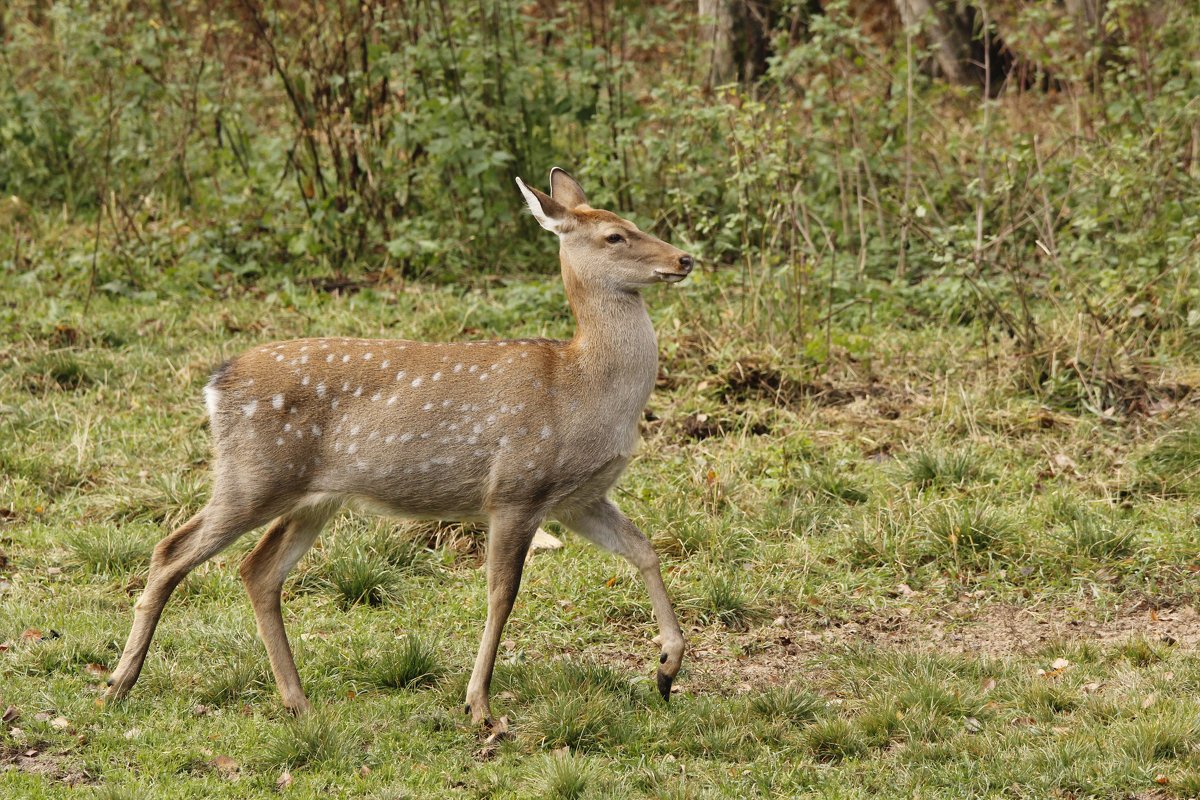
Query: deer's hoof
[[664, 685]]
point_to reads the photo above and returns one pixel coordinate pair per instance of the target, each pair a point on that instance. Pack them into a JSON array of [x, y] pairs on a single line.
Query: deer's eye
[[614, 238]]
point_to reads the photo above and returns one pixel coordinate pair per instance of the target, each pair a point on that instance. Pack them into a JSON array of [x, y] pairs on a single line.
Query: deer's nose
[[687, 262]]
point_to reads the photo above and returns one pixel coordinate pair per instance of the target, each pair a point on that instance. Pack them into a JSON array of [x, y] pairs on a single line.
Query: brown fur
[[512, 431]]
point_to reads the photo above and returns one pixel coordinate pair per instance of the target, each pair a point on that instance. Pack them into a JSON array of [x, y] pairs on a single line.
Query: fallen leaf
[[1161, 780], [1064, 461], [225, 765], [1091, 688], [96, 670], [499, 731], [904, 590], [987, 685], [60, 723], [133, 733], [544, 541], [561, 752], [1149, 701], [972, 725], [1060, 663], [199, 710], [364, 770], [11, 714], [31, 635], [283, 781]]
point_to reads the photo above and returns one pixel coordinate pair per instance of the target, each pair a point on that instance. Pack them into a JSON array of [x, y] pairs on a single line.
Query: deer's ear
[[549, 213], [566, 189]]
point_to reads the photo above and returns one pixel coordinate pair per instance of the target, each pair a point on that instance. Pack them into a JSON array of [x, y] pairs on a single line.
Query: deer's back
[[423, 429]]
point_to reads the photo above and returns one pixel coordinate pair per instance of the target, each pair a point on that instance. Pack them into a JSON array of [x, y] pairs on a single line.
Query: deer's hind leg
[[210, 531], [263, 573]]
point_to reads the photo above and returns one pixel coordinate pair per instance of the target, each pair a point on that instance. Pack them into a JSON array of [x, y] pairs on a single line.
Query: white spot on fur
[[250, 408], [279, 441], [346, 358], [304, 381], [316, 431], [446, 403], [392, 400], [358, 392], [427, 407], [320, 390], [437, 376], [329, 358], [546, 431], [375, 397], [400, 375], [368, 356], [346, 386], [458, 367], [352, 449], [277, 402], [391, 437], [416, 382], [385, 363], [473, 368], [354, 429], [287, 427], [278, 357], [407, 437], [333, 405]]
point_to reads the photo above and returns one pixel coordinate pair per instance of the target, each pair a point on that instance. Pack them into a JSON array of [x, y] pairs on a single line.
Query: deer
[[510, 432]]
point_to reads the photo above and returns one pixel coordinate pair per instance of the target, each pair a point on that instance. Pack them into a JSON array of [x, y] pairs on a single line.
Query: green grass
[[858, 625]]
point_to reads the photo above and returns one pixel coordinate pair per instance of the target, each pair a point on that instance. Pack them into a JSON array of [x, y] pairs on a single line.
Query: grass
[[888, 625]]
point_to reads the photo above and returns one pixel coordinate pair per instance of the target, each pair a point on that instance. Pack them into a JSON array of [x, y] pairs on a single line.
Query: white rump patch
[[212, 399]]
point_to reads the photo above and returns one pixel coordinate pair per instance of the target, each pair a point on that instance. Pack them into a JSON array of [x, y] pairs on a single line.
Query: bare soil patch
[[720, 661]]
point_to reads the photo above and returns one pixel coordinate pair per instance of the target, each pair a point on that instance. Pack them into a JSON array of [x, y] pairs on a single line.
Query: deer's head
[[600, 249]]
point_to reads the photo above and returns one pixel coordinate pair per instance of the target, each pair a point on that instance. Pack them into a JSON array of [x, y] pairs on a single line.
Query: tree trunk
[[951, 48], [718, 33]]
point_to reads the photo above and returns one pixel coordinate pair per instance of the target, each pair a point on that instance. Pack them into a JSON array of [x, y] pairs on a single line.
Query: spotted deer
[[513, 432]]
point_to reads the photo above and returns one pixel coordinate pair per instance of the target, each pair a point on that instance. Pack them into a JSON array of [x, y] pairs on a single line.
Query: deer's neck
[[614, 350]]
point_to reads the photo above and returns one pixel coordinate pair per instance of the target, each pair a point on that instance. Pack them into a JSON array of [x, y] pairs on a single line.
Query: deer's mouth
[[671, 277]]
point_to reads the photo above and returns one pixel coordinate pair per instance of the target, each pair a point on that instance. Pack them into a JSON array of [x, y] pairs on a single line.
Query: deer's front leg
[[604, 525], [509, 535]]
